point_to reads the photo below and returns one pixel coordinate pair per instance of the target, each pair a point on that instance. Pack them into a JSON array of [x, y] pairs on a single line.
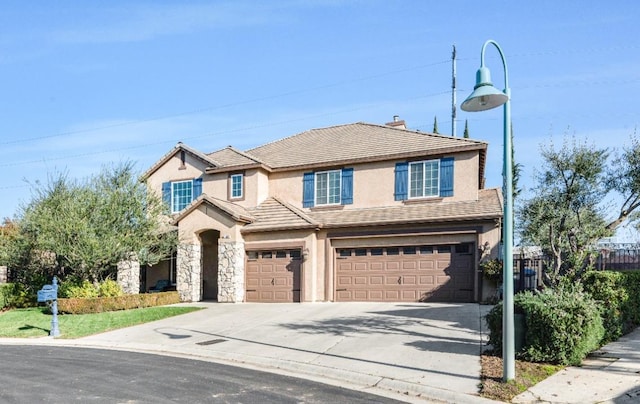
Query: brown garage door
[[441, 273], [273, 276]]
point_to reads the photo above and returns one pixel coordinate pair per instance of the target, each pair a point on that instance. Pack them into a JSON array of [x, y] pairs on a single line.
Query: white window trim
[[241, 176], [409, 185], [173, 183], [315, 188]]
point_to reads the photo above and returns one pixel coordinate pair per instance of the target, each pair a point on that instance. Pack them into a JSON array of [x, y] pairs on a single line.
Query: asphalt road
[[62, 375]]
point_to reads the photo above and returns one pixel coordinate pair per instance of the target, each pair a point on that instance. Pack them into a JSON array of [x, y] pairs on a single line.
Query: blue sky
[[86, 84]]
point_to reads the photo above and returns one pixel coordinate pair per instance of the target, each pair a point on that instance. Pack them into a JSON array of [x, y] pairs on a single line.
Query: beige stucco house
[[356, 212]]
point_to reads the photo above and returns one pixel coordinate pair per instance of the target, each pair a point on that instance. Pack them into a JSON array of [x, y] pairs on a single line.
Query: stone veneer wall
[[230, 271], [129, 276], [189, 272]]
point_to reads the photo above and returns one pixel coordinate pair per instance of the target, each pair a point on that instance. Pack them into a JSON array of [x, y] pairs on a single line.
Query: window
[[179, 194], [236, 185], [333, 187], [328, 188], [424, 179]]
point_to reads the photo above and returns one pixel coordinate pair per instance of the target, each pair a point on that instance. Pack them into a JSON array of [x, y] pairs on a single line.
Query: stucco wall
[[374, 183], [173, 170]]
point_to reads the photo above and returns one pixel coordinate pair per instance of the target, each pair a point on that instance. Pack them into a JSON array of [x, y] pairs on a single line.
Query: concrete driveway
[[418, 349]]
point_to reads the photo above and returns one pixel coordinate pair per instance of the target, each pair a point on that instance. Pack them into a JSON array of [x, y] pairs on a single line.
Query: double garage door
[[442, 273], [273, 276]]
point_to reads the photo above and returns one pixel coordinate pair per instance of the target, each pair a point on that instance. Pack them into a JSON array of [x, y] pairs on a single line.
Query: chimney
[[396, 123]]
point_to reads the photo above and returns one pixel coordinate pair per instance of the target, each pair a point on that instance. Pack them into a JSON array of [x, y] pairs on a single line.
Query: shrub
[[562, 325], [84, 289], [618, 297], [125, 302], [492, 270], [109, 288], [6, 293]]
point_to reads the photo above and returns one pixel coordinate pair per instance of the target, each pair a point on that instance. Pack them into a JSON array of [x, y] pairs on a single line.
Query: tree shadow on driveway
[[437, 328]]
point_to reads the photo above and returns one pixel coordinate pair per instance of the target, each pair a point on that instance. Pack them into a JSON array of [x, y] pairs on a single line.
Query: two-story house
[[356, 212]]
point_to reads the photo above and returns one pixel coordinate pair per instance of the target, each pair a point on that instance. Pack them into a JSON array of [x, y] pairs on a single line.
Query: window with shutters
[[179, 194], [324, 188], [424, 179], [328, 188]]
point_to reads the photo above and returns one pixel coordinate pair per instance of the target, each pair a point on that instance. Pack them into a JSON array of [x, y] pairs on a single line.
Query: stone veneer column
[[230, 271], [4, 274], [129, 276], [189, 272]]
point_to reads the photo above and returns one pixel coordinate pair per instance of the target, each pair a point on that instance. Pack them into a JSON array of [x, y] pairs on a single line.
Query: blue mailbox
[[49, 293]]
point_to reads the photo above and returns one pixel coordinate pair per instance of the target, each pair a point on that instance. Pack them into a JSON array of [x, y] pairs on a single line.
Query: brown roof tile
[[488, 206], [356, 142], [274, 214]]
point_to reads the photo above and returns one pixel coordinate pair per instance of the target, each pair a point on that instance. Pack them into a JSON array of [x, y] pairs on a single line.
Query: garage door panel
[[414, 273], [273, 276]]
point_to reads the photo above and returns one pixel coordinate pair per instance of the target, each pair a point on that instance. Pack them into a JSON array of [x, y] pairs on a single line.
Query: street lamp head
[[484, 96]]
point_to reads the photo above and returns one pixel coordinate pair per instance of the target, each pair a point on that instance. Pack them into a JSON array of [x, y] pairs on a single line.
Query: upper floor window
[[179, 194], [421, 179], [334, 187], [236, 186], [424, 179], [328, 187]]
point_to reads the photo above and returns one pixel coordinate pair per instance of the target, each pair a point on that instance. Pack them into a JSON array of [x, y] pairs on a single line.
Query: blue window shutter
[[446, 176], [346, 195], [307, 190], [402, 178], [197, 187], [166, 193]]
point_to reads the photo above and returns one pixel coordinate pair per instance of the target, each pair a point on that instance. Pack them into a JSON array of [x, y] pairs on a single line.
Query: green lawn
[[35, 322]]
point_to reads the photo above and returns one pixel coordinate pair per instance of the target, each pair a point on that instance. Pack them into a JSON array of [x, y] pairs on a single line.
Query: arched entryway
[[209, 241]]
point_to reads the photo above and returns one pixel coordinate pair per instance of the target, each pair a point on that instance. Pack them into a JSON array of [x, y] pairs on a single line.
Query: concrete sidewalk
[[609, 375], [413, 352]]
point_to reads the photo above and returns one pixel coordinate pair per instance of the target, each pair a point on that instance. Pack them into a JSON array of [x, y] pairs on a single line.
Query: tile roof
[[236, 212], [356, 142], [488, 206], [229, 156], [274, 214]]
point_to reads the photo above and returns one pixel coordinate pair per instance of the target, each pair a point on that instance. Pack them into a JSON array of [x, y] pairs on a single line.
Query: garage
[[439, 273], [273, 276]]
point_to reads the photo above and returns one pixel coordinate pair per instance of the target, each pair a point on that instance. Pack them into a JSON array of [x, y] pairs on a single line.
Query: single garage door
[[273, 276], [439, 273]]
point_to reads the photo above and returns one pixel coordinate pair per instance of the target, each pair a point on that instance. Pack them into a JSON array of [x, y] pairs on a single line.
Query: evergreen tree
[[466, 129], [435, 125]]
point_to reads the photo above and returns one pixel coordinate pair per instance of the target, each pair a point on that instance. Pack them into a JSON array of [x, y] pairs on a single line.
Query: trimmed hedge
[[126, 302], [618, 297], [563, 325]]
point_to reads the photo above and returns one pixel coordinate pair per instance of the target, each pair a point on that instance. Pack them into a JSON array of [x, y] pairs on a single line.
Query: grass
[[36, 321], [528, 374]]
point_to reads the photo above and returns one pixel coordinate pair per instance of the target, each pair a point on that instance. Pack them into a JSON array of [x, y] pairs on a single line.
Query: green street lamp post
[[485, 96]]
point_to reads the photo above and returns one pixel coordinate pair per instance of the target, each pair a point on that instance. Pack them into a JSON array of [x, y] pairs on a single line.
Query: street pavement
[[415, 352]]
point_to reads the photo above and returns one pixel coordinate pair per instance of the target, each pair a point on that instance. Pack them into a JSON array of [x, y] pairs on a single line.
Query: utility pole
[[453, 92]]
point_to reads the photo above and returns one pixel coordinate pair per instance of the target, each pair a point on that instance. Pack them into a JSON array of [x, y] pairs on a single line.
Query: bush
[[562, 325], [6, 293], [618, 297], [110, 288], [125, 302], [86, 289]]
